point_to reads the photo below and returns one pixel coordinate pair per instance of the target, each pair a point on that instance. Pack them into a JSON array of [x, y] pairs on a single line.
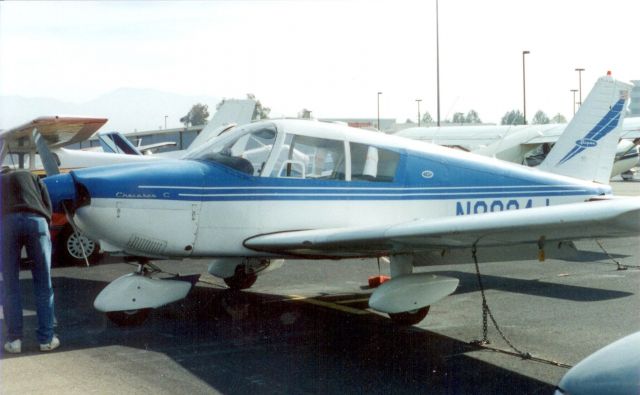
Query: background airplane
[[242, 202], [523, 144], [19, 148]]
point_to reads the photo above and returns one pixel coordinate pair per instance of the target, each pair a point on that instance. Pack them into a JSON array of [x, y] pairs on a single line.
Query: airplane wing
[[57, 131], [150, 148], [631, 128], [585, 220], [549, 137]]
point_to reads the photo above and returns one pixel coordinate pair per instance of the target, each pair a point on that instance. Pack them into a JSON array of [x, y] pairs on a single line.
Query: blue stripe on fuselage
[[450, 178]]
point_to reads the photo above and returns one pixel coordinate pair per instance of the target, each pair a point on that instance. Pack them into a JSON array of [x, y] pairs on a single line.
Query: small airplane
[[279, 189], [523, 144]]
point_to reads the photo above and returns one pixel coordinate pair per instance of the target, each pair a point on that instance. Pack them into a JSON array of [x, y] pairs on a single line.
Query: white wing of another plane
[[475, 138], [19, 148], [596, 219], [57, 131], [515, 143], [631, 128]]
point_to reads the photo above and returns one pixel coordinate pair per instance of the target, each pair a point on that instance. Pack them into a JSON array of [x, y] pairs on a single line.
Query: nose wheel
[[410, 317], [243, 278], [129, 317]]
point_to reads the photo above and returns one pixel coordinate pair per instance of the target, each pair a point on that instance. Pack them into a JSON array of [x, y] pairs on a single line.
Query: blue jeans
[[31, 231]]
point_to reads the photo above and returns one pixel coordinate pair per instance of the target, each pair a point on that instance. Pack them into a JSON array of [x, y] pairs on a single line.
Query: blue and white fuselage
[[293, 188], [206, 205]]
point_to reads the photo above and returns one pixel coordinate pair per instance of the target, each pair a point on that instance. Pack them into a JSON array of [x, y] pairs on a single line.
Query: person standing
[[26, 214]]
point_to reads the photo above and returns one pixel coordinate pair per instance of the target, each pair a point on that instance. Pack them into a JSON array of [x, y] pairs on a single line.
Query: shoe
[[14, 347], [52, 345]]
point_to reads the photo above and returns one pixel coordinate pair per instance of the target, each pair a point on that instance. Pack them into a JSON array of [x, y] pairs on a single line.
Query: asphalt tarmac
[[306, 329]]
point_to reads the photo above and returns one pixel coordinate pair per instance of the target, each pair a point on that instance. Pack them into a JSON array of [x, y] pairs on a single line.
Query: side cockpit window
[[245, 149], [310, 157], [369, 163]]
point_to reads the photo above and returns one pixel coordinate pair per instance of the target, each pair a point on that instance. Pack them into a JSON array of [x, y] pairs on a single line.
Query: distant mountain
[[128, 109]]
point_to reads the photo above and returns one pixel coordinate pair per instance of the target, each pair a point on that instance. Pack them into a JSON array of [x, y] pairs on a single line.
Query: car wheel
[[70, 246]]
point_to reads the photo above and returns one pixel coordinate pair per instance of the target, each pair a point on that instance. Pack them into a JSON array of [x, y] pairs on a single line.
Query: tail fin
[[115, 142], [230, 111], [587, 147]]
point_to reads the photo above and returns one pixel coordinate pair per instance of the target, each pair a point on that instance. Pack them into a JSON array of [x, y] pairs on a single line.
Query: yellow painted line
[[352, 301], [344, 309]]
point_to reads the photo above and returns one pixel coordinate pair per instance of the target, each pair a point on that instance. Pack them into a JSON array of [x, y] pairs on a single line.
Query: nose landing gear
[[243, 277]]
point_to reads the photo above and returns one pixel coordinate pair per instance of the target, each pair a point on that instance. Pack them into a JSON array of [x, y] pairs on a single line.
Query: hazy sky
[[329, 56]]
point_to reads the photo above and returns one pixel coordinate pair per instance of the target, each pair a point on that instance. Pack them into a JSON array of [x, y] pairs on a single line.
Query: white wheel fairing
[[135, 292]]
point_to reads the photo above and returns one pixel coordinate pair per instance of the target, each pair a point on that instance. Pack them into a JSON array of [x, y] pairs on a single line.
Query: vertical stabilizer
[[115, 142], [231, 111], [587, 147]]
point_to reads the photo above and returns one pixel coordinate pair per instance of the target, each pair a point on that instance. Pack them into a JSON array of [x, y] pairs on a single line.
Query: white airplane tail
[[231, 111], [587, 147]]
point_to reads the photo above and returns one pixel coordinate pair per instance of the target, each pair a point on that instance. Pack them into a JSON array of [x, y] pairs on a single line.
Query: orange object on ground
[[375, 281]]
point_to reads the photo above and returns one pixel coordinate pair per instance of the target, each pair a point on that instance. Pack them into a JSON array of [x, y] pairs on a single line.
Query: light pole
[[580, 85], [574, 100], [418, 101], [524, 89], [379, 93], [165, 122], [438, 62]]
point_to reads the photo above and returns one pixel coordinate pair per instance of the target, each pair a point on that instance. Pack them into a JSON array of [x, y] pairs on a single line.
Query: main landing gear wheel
[[241, 279], [129, 317], [409, 317]]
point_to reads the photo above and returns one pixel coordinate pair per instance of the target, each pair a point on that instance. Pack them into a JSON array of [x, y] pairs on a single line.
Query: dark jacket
[[23, 191]]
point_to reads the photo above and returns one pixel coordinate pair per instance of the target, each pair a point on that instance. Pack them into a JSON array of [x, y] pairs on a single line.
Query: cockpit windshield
[[245, 149]]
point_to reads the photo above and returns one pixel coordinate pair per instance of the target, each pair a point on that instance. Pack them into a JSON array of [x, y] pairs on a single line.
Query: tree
[[259, 112], [540, 118], [513, 117], [472, 117], [304, 114], [426, 118], [409, 120], [458, 118], [558, 118], [197, 115]]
